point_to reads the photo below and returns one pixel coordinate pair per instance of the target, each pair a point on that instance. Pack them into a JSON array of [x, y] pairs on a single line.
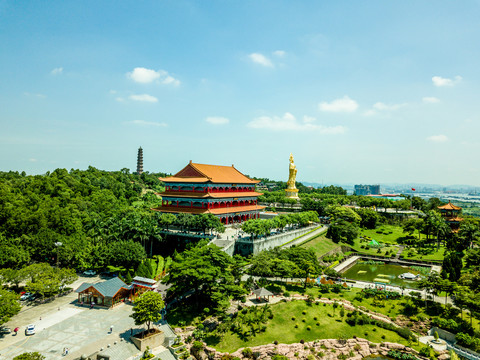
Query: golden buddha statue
[[292, 191]]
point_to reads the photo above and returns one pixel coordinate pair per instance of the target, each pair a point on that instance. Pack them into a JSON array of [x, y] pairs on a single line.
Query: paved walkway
[[82, 330], [399, 252], [346, 263]]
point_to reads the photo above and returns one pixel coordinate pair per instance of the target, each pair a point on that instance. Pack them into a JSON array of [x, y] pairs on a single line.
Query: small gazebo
[[262, 293]]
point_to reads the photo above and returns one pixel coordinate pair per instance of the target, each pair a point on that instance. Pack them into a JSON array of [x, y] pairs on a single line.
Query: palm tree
[[447, 286], [469, 232], [443, 231]]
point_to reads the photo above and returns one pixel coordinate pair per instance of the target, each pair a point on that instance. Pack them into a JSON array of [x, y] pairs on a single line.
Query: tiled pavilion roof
[[203, 173]]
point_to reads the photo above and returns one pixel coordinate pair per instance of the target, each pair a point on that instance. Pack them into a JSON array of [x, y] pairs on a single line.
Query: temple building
[[211, 189], [450, 213]]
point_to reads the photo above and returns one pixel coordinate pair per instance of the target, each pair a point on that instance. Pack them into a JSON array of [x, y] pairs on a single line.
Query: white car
[[89, 273], [30, 330]]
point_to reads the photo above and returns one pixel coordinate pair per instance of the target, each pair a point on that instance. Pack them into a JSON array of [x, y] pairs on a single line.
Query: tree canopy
[[206, 270], [147, 308], [9, 305]]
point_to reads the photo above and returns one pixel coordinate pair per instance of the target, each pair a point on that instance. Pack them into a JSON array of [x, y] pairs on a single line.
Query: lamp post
[[58, 244]]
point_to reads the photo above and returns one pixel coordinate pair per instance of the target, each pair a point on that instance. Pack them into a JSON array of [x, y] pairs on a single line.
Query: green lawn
[[426, 254], [357, 246], [320, 244], [391, 308], [388, 234], [282, 328]]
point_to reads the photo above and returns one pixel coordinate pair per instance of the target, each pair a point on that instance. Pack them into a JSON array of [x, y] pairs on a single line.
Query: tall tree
[[207, 271], [9, 305], [147, 309]]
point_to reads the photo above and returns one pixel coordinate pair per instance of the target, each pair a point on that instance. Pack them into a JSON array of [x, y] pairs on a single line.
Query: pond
[[382, 273]]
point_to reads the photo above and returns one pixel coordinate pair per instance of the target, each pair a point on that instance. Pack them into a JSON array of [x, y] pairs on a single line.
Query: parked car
[[89, 273], [30, 330], [5, 330], [26, 296]]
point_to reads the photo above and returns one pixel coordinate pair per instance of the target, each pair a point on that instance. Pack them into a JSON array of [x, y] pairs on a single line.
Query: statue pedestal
[[291, 193]]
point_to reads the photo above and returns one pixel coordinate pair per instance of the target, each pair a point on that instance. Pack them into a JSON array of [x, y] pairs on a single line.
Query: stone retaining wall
[[247, 247]]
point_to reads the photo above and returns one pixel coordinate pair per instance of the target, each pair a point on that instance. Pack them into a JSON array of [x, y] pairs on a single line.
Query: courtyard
[[64, 324]]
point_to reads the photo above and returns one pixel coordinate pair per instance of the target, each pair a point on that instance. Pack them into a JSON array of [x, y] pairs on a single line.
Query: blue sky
[[358, 91]]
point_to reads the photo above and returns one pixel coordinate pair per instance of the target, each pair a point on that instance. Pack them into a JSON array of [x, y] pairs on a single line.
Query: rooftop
[[202, 173], [107, 288], [449, 206]]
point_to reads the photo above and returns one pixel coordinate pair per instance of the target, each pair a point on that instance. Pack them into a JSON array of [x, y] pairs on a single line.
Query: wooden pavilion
[[107, 293]]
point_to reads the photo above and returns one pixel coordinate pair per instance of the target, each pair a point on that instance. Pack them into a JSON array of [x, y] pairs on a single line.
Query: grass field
[[320, 244], [425, 254], [282, 328], [373, 251], [387, 234]]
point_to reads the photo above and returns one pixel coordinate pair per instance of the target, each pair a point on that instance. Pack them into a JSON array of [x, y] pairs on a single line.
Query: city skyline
[[377, 92]]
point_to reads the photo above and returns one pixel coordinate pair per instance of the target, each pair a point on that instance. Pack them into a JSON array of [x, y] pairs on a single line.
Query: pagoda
[[140, 161], [450, 214], [211, 189]]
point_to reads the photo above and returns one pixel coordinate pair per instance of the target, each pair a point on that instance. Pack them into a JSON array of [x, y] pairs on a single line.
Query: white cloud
[[437, 138], [382, 107], [170, 80], [143, 97], [279, 53], [385, 107], [40, 96], [439, 81], [57, 71], [308, 119], [344, 104], [430, 100], [145, 76], [120, 99], [288, 122], [260, 59], [370, 113], [147, 123], [217, 120], [32, 160]]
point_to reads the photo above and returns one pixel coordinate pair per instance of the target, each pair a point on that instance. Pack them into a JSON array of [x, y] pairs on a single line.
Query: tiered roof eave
[[207, 195], [449, 206], [215, 211], [215, 174]]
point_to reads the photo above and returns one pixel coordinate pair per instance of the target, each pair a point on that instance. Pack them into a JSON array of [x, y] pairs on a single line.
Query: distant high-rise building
[[140, 161], [367, 190]]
